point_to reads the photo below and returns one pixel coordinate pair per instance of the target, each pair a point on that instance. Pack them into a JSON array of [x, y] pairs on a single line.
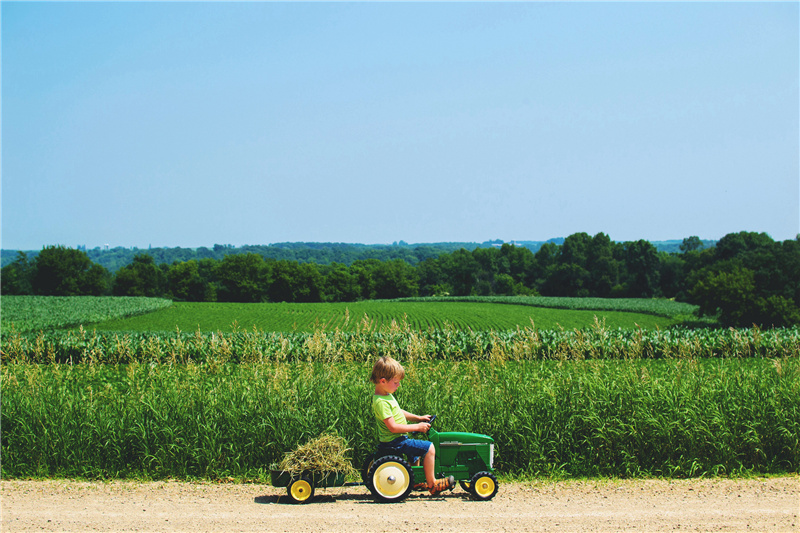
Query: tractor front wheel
[[483, 486], [390, 479]]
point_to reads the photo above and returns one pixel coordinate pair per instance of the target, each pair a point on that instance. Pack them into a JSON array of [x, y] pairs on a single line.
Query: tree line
[[747, 278]]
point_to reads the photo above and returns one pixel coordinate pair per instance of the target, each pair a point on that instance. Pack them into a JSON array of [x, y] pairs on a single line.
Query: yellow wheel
[[391, 479], [483, 486], [300, 490]]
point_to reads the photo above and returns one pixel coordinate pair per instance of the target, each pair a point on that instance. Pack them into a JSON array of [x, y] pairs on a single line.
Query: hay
[[326, 453]]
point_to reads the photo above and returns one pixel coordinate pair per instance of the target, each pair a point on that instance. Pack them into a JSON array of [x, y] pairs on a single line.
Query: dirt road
[[758, 505]]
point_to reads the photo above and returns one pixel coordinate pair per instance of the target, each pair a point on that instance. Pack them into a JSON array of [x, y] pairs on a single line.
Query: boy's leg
[[414, 447], [428, 465]]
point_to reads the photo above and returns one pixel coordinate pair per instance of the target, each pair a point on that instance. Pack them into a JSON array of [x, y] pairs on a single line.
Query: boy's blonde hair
[[386, 368]]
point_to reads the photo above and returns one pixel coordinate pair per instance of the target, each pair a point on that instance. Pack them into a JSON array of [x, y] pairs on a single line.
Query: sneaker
[[439, 485]]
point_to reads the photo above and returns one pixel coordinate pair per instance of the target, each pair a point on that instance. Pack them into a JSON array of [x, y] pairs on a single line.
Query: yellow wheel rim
[[300, 490], [391, 479], [484, 487]]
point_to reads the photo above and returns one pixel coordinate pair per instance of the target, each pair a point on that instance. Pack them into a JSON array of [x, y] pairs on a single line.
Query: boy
[[393, 423]]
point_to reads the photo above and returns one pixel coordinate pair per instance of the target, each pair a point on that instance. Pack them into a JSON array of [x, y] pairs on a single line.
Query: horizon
[[515, 242], [171, 124]]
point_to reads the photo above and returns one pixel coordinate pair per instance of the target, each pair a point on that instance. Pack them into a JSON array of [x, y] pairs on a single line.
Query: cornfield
[[629, 417], [400, 341], [589, 401]]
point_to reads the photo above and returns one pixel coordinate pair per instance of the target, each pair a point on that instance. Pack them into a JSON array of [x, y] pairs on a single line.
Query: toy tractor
[[468, 457]]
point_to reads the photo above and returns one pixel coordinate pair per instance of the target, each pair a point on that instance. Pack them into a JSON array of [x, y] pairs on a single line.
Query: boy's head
[[386, 368]]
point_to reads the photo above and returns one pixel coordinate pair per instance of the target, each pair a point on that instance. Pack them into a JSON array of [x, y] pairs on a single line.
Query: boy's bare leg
[[428, 465]]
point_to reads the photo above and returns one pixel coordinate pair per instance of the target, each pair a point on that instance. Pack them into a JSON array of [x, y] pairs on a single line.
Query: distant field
[[372, 315], [35, 313], [651, 306]]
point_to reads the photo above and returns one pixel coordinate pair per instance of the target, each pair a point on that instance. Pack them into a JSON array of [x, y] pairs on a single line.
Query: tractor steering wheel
[[430, 422]]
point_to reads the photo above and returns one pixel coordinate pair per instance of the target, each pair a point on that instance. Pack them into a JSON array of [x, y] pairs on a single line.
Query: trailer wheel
[[301, 490], [391, 479], [465, 485], [483, 486]]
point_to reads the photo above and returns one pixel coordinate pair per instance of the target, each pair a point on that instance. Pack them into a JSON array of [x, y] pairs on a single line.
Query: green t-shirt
[[384, 407]]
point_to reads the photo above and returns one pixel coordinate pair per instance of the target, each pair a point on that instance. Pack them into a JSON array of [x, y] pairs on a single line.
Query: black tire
[[365, 472], [391, 479], [483, 486], [301, 490], [465, 485]]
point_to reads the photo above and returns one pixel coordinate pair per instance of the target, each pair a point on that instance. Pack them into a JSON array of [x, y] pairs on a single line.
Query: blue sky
[[191, 124]]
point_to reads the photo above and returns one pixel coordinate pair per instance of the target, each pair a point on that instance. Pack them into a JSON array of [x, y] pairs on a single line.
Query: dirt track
[[652, 505]]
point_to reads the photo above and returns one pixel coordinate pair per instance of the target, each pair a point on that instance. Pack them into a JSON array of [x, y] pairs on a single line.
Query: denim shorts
[[413, 448]]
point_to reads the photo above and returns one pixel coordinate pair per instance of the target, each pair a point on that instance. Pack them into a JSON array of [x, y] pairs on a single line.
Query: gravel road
[[756, 505]]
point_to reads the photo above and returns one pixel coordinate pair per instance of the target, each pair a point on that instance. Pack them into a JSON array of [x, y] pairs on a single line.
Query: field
[[372, 315], [34, 313], [620, 418], [594, 400]]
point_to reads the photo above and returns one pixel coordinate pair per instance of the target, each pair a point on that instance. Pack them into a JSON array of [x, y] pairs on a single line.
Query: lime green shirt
[[384, 407]]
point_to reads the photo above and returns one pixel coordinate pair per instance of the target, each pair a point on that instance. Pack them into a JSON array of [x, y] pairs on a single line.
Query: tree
[[142, 277], [567, 279], [750, 279], [395, 279], [690, 244], [460, 270], [641, 263], [294, 282], [340, 284], [17, 277], [61, 271], [186, 284], [243, 278], [603, 269], [729, 295]]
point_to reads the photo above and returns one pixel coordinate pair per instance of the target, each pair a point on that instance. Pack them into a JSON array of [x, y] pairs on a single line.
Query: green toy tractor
[[468, 457]]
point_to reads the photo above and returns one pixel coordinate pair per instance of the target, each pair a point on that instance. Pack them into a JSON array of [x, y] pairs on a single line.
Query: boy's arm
[[416, 418], [394, 427]]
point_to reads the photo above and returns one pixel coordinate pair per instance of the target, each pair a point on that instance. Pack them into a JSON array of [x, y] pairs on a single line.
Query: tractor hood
[[458, 437]]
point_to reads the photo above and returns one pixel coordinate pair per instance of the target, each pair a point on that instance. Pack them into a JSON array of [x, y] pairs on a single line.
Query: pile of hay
[[326, 453]]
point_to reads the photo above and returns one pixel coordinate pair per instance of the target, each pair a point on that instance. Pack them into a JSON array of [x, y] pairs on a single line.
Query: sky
[[193, 124]]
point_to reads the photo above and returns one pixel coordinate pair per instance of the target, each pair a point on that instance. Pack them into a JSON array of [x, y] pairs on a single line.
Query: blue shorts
[[413, 448]]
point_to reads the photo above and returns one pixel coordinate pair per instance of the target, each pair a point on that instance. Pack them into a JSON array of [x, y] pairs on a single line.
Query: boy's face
[[391, 385]]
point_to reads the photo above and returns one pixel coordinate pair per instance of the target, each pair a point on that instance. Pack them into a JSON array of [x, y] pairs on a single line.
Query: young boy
[[393, 422]]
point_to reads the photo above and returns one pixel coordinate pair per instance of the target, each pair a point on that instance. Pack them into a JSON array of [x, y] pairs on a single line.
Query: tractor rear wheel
[[483, 486], [390, 479], [365, 471]]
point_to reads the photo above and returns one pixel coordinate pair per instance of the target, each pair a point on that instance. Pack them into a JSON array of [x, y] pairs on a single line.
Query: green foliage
[[478, 315], [17, 277], [652, 306], [751, 280], [140, 278], [620, 418], [62, 271], [36, 313], [399, 340], [582, 266]]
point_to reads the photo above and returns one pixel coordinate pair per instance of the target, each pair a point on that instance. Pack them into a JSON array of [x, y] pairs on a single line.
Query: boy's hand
[[423, 427]]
